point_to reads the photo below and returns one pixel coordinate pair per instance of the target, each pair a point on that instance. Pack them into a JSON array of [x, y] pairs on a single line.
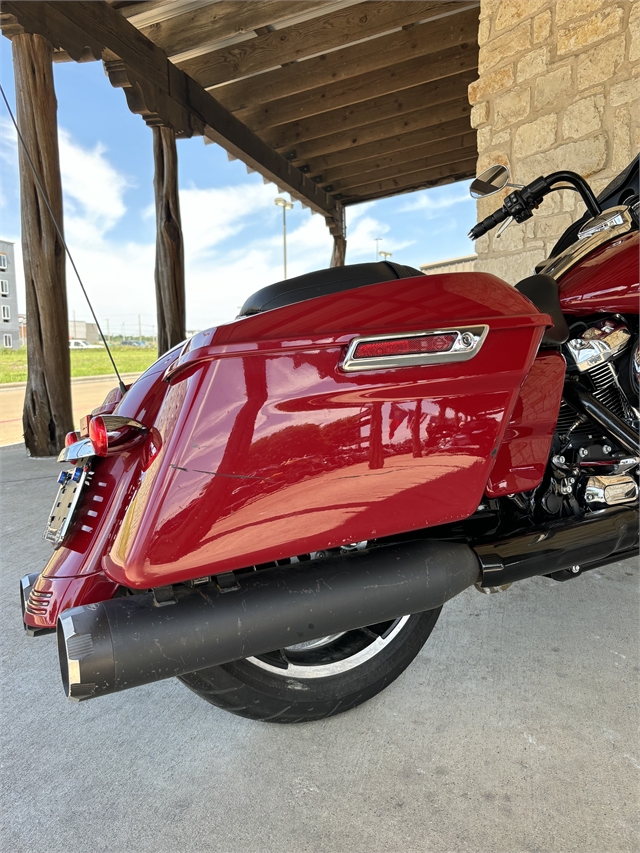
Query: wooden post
[[170, 296], [339, 251], [47, 415]]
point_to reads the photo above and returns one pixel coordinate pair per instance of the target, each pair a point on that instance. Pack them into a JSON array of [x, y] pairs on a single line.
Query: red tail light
[[406, 346], [71, 438], [98, 436]]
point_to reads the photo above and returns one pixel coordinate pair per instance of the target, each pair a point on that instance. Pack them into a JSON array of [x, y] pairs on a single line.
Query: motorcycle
[[277, 510]]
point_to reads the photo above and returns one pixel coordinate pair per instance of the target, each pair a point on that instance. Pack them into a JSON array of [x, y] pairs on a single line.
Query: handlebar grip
[[487, 224]]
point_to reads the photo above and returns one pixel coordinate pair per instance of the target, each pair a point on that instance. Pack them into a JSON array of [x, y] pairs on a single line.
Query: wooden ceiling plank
[[168, 95], [352, 157], [417, 181], [294, 43], [395, 159], [384, 81], [351, 61], [355, 118], [202, 28], [155, 13], [352, 184], [347, 140]]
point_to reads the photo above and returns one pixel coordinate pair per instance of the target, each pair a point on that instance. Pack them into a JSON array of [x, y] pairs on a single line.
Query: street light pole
[[385, 255], [378, 240], [285, 205]]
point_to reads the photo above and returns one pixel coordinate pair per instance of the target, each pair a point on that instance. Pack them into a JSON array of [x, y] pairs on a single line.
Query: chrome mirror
[[491, 181]]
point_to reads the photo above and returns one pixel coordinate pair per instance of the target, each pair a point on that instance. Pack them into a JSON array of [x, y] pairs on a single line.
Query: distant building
[[79, 330], [464, 264], [9, 327]]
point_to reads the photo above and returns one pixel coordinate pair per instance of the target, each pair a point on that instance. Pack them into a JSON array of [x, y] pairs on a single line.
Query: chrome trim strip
[[82, 449], [621, 223], [468, 343]]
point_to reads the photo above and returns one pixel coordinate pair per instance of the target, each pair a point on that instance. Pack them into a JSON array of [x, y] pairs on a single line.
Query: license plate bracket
[[64, 507]]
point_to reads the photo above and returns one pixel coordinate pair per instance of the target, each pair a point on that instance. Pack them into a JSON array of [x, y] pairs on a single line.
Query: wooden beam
[[352, 184], [416, 181], [169, 271], [295, 43], [198, 31], [389, 146], [355, 90], [456, 27], [396, 159], [159, 90], [339, 252], [47, 415], [419, 98], [350, 140]]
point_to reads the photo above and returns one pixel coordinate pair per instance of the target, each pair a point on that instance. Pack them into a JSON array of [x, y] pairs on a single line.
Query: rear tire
[[319, 679]]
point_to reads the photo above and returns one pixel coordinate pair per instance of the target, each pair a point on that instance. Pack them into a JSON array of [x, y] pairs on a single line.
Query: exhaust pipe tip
[[86, 657]]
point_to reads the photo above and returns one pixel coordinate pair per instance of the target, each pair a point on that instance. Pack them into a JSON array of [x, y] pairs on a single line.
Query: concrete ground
[[514, 730], [87, 393]]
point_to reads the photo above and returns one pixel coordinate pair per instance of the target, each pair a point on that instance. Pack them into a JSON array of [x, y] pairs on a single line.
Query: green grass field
[[92, 362]]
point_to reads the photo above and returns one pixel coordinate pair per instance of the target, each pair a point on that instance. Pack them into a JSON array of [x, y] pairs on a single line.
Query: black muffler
[[127, 642]]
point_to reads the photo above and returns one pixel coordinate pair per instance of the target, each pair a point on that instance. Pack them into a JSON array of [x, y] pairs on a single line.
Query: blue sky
[[232, 229]]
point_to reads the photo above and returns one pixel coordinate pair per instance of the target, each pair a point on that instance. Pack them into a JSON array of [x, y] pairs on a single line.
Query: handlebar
[[521, 203], [488, 223]]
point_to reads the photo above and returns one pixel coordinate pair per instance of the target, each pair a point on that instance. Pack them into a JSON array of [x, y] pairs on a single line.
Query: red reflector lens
[[70, 438], [406, 346], [98, 436]]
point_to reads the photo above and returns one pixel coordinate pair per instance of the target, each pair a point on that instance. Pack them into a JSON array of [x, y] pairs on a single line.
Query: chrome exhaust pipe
[[126, 642]]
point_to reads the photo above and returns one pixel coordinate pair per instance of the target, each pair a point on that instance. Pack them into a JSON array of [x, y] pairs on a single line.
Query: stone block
[[551, 227], [501, 48], [624, 93], [622, 140], [599, 64], [533, 64], [605, 23], [484, 31], [512, 12], [511, 108], [489, 83], [501, 138], [538, 135], [553, 88], [511, 268], [541, 27], [583, 117], [479, 114], [568, 9], [510, 240], [634, 33], [483, 137], [586, 156]]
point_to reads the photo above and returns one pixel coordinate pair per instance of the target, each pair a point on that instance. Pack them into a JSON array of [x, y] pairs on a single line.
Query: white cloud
[[436, 201], [93, 190]]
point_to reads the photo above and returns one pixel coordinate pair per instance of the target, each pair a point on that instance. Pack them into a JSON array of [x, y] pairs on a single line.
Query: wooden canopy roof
[[335, 101]]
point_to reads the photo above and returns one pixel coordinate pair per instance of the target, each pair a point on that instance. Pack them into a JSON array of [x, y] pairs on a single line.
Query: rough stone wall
[[558, 88]]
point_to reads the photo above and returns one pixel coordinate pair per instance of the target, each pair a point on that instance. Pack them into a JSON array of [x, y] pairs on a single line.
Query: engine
[[589, 470]]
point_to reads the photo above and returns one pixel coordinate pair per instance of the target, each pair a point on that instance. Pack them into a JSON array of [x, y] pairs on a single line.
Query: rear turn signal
[[71, 438], [98, 436]]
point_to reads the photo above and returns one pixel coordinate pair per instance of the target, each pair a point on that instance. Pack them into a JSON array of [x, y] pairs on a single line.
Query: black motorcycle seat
[[323, 283], [542, 290]]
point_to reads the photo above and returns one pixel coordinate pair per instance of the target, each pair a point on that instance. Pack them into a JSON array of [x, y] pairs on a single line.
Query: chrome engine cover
[[610, 490], [598, 344]]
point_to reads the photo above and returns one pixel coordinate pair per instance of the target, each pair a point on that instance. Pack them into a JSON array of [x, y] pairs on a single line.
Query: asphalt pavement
[[514, 730]]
